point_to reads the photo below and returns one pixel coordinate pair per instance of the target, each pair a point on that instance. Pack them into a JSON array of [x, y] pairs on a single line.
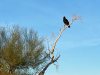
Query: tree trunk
[[45, 68]]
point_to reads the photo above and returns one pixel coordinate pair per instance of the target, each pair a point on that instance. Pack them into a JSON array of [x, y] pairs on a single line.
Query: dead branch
[[53, 59]]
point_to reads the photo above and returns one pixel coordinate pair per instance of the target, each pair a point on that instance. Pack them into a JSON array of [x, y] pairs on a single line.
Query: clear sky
[[79, 46]]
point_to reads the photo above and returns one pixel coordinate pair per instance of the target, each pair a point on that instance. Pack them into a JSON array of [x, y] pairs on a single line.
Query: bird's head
[[64, 17]]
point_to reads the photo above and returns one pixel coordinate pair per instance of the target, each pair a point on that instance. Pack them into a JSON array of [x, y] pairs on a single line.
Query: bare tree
[[52, 50]]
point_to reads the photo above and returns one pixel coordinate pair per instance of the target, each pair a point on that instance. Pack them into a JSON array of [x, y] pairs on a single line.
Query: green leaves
[[21, 48]]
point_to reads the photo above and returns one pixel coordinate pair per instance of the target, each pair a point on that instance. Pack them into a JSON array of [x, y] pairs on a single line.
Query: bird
[[66, 22]]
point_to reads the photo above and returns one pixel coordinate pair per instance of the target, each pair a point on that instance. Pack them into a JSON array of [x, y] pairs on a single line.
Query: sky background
[[79, 46]]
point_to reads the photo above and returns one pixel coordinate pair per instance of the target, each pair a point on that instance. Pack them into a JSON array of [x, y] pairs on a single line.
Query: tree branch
[[54, 45], [53, 48]]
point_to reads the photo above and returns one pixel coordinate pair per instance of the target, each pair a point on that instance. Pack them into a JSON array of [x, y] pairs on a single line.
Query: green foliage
[[21, 48]]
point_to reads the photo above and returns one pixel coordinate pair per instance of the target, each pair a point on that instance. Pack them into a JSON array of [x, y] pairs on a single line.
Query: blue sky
[[79, 46]]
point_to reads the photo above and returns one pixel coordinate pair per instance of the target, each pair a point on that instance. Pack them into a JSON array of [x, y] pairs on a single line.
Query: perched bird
[[66, 22]]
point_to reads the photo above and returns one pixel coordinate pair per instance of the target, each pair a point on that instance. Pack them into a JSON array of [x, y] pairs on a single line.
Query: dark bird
[[66, 22]]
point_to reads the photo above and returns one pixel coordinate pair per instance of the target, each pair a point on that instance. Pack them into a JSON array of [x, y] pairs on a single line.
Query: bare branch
[[54, 45], [53, 59]]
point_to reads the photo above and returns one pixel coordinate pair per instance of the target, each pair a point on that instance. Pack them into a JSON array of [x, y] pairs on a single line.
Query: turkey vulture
[[66, 22]]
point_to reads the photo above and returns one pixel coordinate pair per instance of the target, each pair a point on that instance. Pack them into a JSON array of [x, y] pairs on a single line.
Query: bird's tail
[[68, 26]]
